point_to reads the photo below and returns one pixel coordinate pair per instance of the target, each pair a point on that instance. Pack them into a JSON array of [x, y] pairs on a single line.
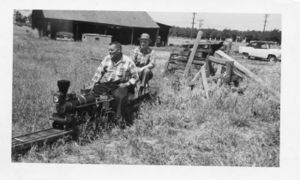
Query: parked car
[[262, 49], [64, 36]]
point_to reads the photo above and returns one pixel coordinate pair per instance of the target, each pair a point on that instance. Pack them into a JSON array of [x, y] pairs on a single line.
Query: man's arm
[[99, 73], [152, 62], [134, 54], [134, 73], [134, 77]]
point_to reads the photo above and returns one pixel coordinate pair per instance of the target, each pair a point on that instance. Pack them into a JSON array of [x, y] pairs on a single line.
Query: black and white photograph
[[136, 87], [146, 87]]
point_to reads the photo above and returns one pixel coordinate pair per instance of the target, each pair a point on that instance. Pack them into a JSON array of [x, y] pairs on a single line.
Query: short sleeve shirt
[[142, 58], [124, 70]]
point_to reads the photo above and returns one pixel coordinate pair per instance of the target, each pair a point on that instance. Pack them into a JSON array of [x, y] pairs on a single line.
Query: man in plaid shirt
[[144, 58], [117, 69]]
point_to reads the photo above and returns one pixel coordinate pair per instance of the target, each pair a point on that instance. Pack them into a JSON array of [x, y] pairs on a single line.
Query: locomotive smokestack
[[63, 86]]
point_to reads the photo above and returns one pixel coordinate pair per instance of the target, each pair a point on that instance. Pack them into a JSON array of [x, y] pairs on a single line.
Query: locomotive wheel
[[271, 58]]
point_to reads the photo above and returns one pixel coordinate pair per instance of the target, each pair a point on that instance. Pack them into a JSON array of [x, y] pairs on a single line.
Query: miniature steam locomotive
[[73, 109], [81, 115]]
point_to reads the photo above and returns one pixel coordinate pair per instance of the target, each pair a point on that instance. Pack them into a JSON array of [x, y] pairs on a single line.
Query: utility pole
[[265, 21], [193, 23]]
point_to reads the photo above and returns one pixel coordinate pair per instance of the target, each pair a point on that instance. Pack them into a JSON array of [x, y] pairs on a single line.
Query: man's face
[[113, 50], [144, 43]]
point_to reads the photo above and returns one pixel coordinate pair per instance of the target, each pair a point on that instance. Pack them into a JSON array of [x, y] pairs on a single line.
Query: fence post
[[229, 67], [209, 68], [204, 81], [192, 55]]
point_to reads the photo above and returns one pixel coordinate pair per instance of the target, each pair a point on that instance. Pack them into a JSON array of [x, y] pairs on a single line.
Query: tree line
[[209, 33], [236, 35], [21, 18]]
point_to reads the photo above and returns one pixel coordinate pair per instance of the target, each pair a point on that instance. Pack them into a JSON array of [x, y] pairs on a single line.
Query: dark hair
[[117, 44]]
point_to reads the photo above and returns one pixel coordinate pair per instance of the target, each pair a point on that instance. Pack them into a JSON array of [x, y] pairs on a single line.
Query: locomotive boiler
[[73, 109]]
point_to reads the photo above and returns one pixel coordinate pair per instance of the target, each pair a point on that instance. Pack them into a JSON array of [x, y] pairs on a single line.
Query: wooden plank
[[214, 77], [222, 61], [209, 69], [179, 58], [193, 81], [249, 74], [195, 61], [198, 62], [219, 82], [185, 53], [243, 69], [238, 72], [217, 60], [185, 58], [179, 68], [229, 67], [191, 57], [219, 69], [166, 68], [204, 81]]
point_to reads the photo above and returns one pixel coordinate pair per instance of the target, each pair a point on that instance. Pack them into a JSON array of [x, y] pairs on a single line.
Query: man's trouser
[[145, 76], [120, 95]]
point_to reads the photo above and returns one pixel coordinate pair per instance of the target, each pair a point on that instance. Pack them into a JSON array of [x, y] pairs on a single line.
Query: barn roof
[[161, 24], [121, 18]]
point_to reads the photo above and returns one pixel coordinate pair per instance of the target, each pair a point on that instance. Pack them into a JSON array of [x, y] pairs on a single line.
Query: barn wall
[[49, 27], [164, 33], [164, 37], [84, 27], [103, 39], [121, 34]]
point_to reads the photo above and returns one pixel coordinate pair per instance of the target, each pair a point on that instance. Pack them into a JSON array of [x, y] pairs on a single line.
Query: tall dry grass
[[229, 129], [37, 65]]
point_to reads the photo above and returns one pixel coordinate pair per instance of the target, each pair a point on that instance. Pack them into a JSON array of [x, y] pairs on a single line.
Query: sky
[[219, 21]]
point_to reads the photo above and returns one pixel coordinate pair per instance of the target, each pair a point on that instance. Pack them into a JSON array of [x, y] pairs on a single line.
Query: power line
[[193, 23], [265, 21]]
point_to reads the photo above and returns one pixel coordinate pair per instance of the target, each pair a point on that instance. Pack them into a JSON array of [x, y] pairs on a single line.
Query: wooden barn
[[163, 34], [123, 26]]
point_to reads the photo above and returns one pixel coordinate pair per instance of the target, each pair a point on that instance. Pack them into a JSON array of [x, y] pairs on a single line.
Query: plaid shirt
[[146, 58], [124, 70]]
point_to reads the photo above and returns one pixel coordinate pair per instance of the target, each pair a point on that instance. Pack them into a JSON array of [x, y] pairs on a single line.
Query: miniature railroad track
[[26, 141]]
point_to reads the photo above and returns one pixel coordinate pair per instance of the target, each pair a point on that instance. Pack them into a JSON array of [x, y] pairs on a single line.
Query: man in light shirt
[[118, 70], [144, 58]]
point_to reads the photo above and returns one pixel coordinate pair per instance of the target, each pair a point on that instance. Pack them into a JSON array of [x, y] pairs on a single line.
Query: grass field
[[185, 129]]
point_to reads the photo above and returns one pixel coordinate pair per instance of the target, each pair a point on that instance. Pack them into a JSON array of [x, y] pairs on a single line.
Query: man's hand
[[142, 68], [124, 85], [91, 86]]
